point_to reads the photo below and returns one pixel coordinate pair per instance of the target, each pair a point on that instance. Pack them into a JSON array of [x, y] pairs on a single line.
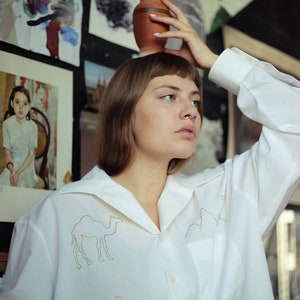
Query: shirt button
[[173, 279]]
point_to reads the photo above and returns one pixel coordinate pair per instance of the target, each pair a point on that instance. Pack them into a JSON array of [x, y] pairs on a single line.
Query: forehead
[[20, 96]]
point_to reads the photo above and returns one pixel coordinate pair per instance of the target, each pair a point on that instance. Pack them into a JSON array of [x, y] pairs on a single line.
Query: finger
[[172, 22], [182, 35], [177, 12]]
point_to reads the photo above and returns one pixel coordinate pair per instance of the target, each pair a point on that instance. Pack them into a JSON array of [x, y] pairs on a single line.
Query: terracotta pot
[[144, 28]]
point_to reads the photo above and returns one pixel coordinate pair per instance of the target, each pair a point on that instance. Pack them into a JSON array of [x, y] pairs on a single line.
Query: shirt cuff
[[230, 69]]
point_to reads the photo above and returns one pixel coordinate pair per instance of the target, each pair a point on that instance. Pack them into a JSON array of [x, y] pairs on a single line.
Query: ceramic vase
[[144, 28]]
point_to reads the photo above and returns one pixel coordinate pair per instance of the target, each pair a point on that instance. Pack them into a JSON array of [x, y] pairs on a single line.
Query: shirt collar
[[176, 195], [98, 183]]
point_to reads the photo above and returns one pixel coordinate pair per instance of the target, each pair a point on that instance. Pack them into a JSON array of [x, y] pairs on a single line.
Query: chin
[[185, 155], [184, 152]]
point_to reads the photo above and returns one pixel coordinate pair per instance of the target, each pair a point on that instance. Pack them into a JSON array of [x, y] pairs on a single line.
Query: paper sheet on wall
[[117, 27], [51, 28]]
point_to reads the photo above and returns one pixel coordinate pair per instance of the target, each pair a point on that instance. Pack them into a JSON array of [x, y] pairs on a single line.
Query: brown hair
[[116, 141]]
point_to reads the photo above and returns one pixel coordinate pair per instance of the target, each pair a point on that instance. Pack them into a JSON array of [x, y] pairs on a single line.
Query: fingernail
[[152, 15], [156, 34]]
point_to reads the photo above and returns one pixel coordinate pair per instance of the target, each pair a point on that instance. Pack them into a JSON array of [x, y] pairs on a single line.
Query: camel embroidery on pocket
[[205, 218], [86, 229]]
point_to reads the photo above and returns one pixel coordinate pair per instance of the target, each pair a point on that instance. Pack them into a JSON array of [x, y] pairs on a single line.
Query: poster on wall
[[51, 28], [113, 22], [44, 124]]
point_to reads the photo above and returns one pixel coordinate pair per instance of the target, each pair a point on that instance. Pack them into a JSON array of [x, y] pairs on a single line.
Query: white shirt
[[92, 240]]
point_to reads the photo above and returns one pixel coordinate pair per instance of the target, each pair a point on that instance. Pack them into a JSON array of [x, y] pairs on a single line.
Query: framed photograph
[[51, 93], [96, 78]]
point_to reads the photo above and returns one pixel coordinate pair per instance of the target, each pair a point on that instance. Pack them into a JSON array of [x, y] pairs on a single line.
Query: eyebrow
[[176, 88]]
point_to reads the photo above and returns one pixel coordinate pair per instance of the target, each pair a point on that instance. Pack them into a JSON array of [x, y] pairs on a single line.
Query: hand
[[193, 48], [14, 176]]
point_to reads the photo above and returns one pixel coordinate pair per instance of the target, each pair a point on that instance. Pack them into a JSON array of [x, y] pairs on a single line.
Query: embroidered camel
[[89, 228], [205, 216]]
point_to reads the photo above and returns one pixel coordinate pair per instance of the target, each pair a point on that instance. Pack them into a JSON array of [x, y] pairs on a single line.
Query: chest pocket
[[219, 266]]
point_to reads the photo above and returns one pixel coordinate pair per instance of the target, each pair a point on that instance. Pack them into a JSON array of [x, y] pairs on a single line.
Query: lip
[[188, 132]]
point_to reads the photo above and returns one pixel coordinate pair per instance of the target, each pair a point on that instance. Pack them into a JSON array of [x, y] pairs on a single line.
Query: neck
[[140, 180], [146, 182], [20, 120]]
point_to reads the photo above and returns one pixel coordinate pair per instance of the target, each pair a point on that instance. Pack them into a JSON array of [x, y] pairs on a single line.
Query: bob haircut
[[116, 140], [23, 90]]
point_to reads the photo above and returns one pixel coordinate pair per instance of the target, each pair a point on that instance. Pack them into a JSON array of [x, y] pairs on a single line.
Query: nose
[[190, 116], [189, 111]]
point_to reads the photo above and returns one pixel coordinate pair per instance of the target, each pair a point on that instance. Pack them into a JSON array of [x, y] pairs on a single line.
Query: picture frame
[[15, 201], [97, 76]]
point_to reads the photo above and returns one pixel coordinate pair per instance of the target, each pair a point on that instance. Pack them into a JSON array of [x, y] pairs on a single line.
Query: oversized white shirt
[[92, 239]]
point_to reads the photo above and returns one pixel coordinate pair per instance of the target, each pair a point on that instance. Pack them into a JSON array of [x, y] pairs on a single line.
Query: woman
[[20, 135], [135, 228]]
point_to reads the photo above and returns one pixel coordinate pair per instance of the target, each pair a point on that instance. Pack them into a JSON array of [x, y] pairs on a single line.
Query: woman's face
[[166, 121], [21, 106]]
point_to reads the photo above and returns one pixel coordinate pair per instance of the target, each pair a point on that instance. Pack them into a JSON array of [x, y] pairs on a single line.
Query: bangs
[[168, 64]]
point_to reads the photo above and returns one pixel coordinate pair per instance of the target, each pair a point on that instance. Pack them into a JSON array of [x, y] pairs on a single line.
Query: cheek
[[148, 131], [142, 125]]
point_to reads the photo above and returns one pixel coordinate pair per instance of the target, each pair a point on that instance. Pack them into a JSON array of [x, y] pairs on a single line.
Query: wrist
[[210, 61]]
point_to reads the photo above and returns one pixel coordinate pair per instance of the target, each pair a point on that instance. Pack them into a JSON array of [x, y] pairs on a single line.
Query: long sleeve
[[271, 169]]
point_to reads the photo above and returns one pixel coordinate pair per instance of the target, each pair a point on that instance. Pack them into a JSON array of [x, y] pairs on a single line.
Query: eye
[[196, 103], [168, 97]]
